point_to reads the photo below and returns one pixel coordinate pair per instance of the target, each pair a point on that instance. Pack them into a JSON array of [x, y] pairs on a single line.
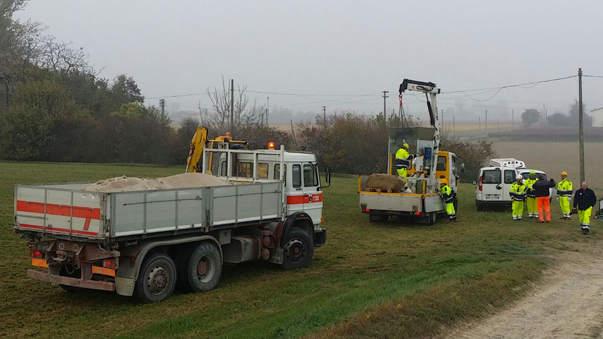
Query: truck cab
[[300, 175]]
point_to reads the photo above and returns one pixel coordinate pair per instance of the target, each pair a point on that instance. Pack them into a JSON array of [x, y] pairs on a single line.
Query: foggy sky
[[341, 48]]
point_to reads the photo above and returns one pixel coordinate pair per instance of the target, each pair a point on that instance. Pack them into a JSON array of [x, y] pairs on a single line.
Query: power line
[[498, 89]]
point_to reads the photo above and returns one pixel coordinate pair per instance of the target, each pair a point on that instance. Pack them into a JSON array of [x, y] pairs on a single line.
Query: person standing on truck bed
[[584, 199], [564, 192], [531, 199], [403, 159], [541, 190], [448, 197], [518, 195]]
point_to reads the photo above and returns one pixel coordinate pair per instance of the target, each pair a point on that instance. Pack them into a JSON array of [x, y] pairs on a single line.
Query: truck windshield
[[491, 177]]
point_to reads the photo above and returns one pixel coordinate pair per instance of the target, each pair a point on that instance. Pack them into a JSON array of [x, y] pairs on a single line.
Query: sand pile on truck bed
[[185, 180], [378, 182]]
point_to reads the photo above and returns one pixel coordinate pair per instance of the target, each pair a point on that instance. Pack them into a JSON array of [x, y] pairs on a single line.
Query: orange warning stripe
[[39, 262], [62, 210], [304, 199], [104, 271]]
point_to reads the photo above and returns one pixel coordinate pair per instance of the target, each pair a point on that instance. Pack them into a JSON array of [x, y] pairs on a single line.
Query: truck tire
[[298, 249], [431, 218], [373, 217], [204, 267], [480, 206], [157, 278], [181, 259]]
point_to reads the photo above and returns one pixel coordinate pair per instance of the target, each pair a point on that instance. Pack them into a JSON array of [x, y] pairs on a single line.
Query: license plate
[[492, 196]]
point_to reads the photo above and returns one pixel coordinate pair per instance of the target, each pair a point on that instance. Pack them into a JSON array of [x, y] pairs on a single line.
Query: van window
[[491, 177], [296, 176], [509, 176], [441, 164], [310, 178]]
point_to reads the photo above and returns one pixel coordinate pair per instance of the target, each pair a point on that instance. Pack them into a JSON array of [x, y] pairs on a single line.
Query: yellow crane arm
[[196, 150]]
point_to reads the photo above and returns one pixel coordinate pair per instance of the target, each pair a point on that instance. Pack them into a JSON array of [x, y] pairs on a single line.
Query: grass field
[[369, 279], [555, 157]]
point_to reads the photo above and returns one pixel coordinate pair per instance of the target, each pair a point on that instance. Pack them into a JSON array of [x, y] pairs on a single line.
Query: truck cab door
[[304, 195], [312, 192]]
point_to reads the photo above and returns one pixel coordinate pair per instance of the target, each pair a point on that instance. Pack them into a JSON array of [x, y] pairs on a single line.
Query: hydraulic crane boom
[[431, 90]]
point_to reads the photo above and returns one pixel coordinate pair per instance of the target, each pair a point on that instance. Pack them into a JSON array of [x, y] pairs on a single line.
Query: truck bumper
[[320, 237], [57, 279]]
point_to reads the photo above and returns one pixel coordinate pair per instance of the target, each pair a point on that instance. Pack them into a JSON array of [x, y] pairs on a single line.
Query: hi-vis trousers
[[543, 203], [531, 206]]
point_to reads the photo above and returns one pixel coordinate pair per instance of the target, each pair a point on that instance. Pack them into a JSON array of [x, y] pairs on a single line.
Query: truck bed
[[397, 202], [68, 211]]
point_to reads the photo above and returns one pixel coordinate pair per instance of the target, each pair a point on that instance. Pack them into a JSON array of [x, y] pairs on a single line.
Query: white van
[[507, 162], [494, 184]]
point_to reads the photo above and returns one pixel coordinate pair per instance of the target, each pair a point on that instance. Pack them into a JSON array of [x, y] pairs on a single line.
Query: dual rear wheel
[[198, 269]]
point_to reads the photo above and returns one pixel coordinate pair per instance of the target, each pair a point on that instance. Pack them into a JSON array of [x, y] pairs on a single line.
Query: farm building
[[597, 115]]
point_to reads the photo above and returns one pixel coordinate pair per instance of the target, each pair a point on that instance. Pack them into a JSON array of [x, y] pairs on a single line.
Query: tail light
[[109, 263], [37, 254], [479, 183], [417, 213]]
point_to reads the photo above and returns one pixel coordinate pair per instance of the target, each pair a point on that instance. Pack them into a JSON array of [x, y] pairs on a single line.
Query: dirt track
[[567, 303]]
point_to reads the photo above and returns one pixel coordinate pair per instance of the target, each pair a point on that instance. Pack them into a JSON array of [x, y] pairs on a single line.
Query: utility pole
[[162, 105], [231, 106], [384, 108], [324, 117], [581, 124], [267, 109]]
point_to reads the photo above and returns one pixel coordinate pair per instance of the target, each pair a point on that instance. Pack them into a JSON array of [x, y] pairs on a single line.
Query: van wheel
[[298, 249], [157, 278], [204, 267], [480, 206]]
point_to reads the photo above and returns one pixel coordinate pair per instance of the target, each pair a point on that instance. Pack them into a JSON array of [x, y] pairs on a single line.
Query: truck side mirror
[[462, 167], [473, 183], [328, 176]]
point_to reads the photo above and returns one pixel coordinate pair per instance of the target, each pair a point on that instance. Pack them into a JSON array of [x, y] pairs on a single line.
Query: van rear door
[[492, 184]]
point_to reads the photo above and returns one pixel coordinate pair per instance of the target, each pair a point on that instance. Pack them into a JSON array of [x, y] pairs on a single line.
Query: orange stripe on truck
[[39, 262], [304, 199], [62, 210], [104, 271]]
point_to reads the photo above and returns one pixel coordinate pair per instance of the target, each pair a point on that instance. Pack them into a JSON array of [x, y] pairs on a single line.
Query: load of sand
[[185, 180], [378, 182]]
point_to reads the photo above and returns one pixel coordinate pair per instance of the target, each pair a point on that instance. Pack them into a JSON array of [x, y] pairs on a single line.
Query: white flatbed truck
[[147, 242]]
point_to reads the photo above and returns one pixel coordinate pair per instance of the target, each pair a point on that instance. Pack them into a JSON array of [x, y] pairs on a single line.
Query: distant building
[[597, 115]]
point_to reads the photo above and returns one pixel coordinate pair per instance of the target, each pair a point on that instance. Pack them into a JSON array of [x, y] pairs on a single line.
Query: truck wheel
[[480, 206], [157, 278], [431, 218], [204, 267], [298, 249], [181, 259]]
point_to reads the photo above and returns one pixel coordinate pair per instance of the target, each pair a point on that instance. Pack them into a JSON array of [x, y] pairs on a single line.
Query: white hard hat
[[519, 177]]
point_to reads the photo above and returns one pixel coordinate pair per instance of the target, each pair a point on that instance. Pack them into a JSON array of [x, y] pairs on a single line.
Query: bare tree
[[220, 101]]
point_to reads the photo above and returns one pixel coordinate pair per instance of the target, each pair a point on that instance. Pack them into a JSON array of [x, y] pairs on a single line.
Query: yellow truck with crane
[[419, 199]]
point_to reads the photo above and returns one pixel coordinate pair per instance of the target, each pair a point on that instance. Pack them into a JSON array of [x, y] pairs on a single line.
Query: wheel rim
[[158, 280], [295, 250], [205, 269]]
